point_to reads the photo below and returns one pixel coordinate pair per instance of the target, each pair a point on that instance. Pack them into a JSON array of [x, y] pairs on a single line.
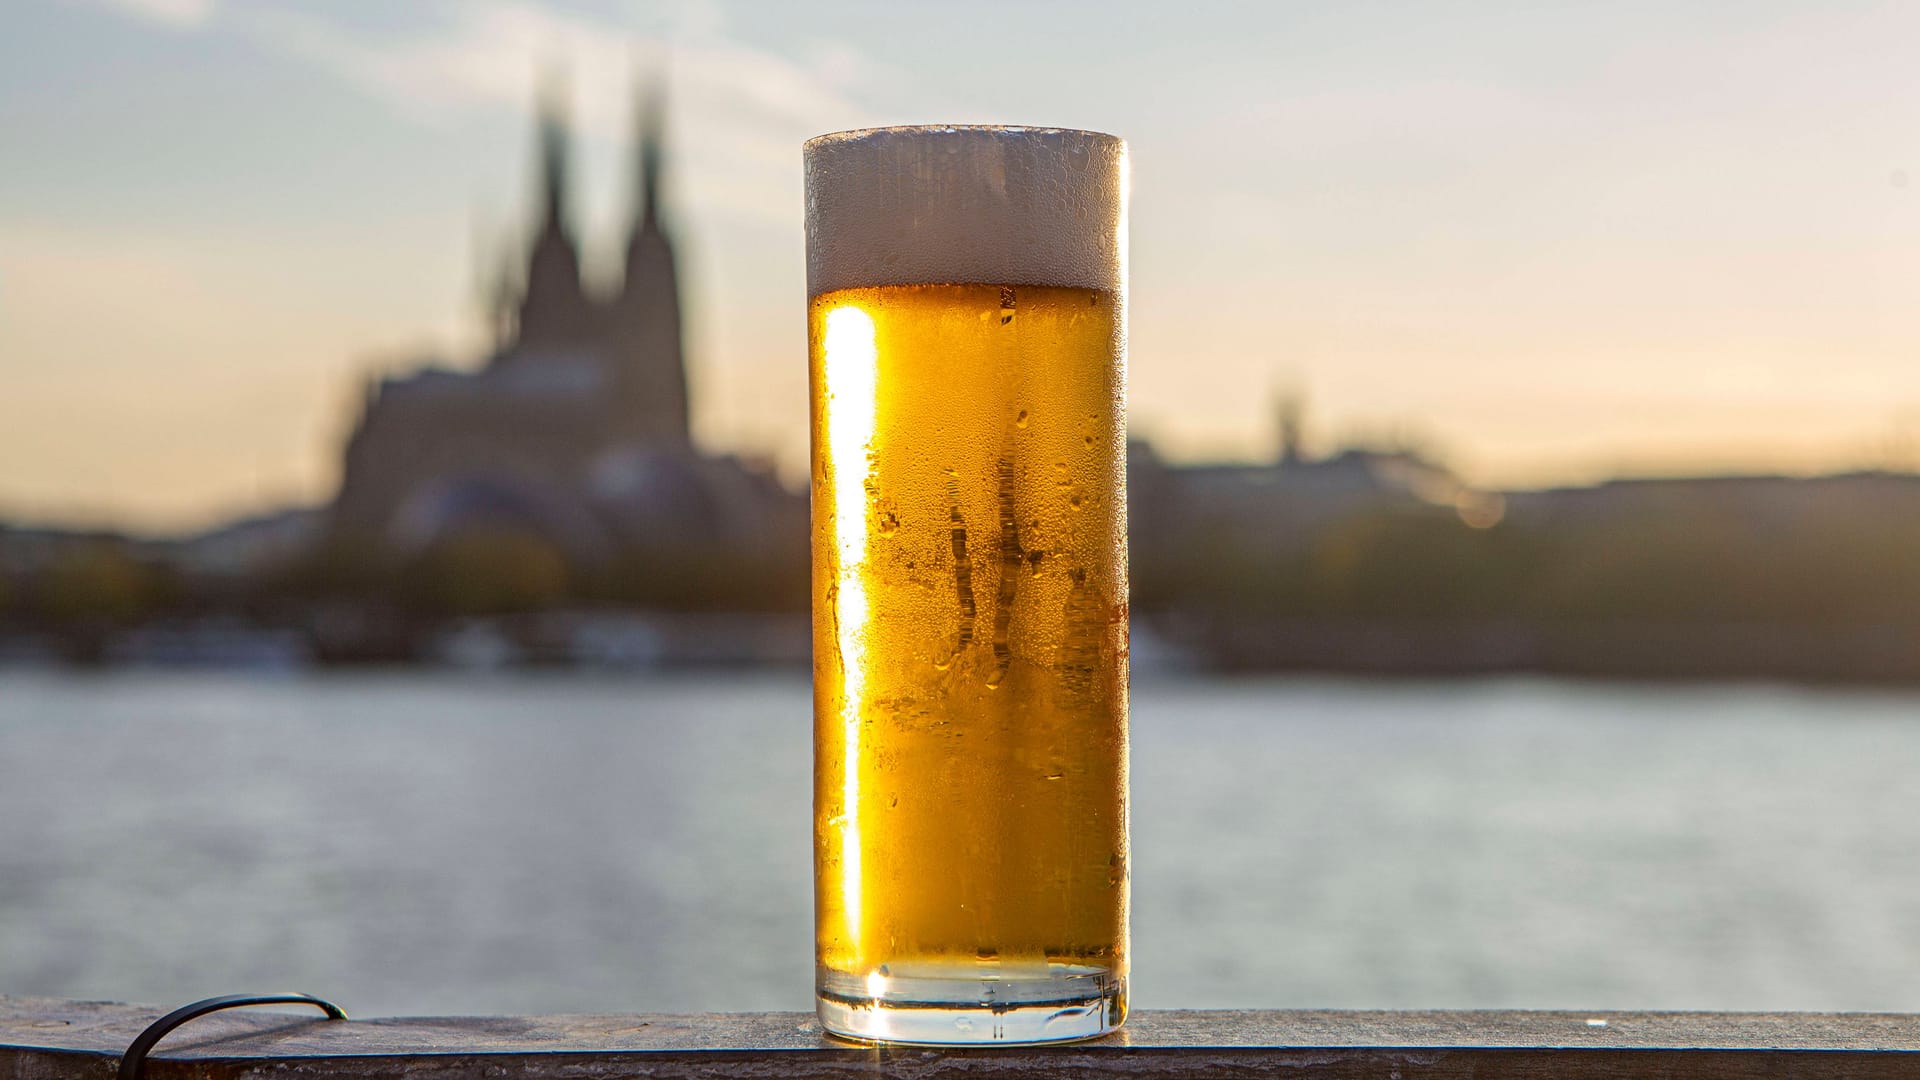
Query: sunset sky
[[1559, 242]]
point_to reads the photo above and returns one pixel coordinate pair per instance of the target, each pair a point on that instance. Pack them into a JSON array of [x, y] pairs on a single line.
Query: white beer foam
[[952, 205]]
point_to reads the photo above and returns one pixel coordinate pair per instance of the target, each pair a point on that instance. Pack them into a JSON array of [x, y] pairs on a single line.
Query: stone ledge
[[50, 1039]]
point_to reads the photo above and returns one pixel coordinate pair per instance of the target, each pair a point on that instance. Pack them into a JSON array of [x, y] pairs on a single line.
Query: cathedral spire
[[652, 123], [646, 313], [554, 310], [553, 152]]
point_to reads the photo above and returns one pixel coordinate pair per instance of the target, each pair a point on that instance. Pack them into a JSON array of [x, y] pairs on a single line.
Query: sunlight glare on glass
[[851, 363]]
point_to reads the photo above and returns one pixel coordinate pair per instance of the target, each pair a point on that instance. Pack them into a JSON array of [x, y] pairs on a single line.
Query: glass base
[[969, 1006]]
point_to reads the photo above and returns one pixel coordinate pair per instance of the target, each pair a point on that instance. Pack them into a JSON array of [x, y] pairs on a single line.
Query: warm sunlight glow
[[851, 361]]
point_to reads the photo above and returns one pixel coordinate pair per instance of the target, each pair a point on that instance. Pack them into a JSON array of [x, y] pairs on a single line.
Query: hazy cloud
[[741, 112], [173, 12]]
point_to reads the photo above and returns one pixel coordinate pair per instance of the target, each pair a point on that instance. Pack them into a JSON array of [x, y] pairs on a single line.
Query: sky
[[1556, 242]]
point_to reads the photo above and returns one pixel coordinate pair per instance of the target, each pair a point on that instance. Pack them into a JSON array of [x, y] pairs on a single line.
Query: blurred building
[[575, 430], [1281, 504]]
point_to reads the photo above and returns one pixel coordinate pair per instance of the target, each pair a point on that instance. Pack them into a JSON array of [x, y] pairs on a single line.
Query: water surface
[[445, 843]]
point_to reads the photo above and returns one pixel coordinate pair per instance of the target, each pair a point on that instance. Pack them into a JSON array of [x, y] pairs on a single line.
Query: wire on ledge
[[135, 1058]]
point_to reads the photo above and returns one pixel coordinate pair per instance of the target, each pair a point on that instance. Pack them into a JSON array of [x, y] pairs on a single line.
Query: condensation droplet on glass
[[1021, 420]]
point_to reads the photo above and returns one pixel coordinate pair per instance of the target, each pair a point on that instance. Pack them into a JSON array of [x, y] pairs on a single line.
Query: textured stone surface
[[45, 1039]]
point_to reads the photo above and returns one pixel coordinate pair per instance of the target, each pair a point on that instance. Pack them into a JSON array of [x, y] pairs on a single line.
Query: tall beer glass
[[967, 331]]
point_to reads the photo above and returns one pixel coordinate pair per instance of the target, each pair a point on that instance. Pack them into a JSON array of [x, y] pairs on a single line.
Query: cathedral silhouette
[[574, 432]]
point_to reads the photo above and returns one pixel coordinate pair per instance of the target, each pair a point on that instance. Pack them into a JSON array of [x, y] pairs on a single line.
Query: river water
[[419, 843]]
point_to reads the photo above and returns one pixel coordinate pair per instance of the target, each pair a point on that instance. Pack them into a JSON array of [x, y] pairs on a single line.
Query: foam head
[[966, 205]]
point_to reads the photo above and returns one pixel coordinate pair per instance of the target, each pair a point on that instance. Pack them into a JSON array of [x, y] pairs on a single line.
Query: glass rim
[[856, 134]]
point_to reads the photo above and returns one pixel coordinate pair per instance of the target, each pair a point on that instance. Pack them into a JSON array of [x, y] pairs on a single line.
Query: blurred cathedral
[[574, 432]]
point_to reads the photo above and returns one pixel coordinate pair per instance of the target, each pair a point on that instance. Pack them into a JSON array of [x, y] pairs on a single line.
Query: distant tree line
[[1701, 565], [101, 581], [1400, 561], [1378, 589], [500, 571]]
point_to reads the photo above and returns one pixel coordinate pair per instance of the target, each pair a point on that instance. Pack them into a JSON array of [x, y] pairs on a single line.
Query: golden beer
[[970, 657]]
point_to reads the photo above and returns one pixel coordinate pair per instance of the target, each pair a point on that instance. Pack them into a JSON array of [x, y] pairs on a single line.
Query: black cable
[[135, 1058]]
